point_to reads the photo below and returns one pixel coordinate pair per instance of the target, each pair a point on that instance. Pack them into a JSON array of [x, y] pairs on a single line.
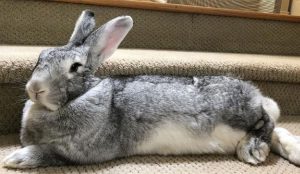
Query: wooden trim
[[285, 6], [186, 9]]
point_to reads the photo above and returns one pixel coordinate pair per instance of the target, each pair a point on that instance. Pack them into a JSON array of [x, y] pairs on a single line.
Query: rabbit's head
[[61, 73]]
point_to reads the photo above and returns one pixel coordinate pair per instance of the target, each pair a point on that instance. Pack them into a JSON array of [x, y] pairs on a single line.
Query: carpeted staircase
[[274, 68]]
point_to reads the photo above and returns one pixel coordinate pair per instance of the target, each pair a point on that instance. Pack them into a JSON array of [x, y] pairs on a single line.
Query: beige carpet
[[168, 164], [17, 62]]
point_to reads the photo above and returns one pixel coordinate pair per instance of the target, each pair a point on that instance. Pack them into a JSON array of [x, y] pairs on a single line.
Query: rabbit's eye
[[75, 67]]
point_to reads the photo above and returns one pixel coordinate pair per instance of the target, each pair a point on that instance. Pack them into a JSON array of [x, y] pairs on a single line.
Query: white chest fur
[[171, 138]]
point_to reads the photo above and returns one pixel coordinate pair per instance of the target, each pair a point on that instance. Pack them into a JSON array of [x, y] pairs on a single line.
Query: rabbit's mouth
[[52, 100], [52, 106], [36, 96], [42, 99]]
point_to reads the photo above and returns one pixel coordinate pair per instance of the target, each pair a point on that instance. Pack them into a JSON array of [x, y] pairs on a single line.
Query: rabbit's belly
[[171, 138]]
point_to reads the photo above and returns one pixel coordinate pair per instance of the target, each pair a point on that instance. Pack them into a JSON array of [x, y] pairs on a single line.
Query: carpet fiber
[[17, 62]]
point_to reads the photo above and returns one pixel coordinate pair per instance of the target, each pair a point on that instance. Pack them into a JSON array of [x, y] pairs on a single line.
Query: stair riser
[[51, 23]]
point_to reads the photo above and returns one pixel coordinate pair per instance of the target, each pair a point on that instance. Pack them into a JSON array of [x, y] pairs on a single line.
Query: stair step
[[17, 62]]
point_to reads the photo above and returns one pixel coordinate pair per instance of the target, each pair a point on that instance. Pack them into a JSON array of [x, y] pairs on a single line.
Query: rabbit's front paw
[[21, 158], [252, 150]]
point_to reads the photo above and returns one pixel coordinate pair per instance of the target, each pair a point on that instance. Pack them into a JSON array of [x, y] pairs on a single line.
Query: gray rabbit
[[73, 117]]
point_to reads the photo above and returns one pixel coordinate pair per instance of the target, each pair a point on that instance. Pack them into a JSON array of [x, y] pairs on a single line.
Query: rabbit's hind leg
[[255, 146], [286, 145]]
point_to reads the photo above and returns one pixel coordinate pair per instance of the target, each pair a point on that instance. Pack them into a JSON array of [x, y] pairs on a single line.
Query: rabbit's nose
[[36, 87]]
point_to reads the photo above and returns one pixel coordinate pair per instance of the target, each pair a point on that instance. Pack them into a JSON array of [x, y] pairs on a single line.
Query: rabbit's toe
[[261, 152], [21, 158], [252, 150]]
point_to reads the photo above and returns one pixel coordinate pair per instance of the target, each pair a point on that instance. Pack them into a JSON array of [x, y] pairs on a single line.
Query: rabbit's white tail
[[271, 107], [286, 145]]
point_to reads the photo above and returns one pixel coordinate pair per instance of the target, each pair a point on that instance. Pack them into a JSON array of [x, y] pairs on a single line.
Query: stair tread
[[168, 164], [17, 62]]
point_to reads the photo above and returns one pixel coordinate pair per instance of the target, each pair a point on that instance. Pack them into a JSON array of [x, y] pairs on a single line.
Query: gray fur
[[99, 119], [84, 26]]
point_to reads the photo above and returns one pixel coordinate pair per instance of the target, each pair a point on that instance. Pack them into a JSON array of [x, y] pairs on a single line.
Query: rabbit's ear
[[103, 42], [84, 26]]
